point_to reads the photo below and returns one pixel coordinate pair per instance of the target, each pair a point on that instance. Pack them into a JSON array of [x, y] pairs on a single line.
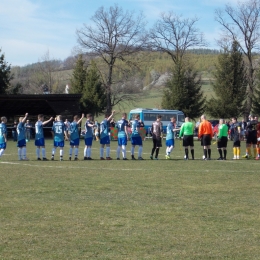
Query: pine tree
[[94, 98], [229, 86], [256, 98], [183, 92], [78, 77], [5, 74]]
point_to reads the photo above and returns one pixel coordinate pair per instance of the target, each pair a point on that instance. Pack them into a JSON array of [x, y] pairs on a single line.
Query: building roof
[[49, 104]]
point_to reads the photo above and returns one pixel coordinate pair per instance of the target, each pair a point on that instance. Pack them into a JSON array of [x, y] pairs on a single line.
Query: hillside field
[[165, 209]]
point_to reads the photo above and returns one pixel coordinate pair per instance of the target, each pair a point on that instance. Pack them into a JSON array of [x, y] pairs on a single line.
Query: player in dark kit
[[251, 137], [157, 132], [236, 133]]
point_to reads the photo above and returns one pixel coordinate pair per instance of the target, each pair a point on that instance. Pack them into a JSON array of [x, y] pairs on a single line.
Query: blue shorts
[[58, 144], [169, 142], [105, 140], [74, 142], [88, 141], [3, 146], [21, 143], [122, 141], [39, 142], [136, 140]]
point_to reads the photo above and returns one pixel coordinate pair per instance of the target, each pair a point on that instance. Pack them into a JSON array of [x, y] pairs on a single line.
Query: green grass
[[165, 209]]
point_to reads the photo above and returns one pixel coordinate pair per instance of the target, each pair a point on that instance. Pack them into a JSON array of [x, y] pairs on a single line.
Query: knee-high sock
[[19, 153], [187, 152], [192, 153], [140, 151], [24, 152], [1, 152], [118, 150], [37, 152], [225, 153], [101, 152], [235, 151], [43, 152], [209, 153], [124, 151], [108, 151], [157, 152]]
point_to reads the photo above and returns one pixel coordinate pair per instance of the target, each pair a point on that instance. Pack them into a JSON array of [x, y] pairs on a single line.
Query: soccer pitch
[[165, 209]]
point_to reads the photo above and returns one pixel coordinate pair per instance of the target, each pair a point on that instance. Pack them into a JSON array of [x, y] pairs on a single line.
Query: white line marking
[[115, 169]]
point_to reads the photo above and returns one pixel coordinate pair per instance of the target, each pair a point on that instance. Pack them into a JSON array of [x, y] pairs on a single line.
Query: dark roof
[[49, 104]]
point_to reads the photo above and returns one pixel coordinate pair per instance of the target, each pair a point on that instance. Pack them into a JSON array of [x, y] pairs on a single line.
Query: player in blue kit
[[104, 137], [89, 125], [21, 140], [59, 130], [136, 138], [122, 136], [74, 136], [39, 137], [3, 135], [170, 135]]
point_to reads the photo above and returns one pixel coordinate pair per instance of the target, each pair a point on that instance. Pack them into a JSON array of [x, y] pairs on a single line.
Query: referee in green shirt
[[187, 130], [222, 139]]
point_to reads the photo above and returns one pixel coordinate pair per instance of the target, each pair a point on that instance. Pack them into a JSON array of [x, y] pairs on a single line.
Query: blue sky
[[30, 28]]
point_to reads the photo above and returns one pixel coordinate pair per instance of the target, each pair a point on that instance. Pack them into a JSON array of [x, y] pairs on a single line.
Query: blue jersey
[[121, 128], [169, 131], [135, 127], [20, 131], [39, 130], [104, 128], [3, 131], [88, 129], [58, 129], [74, 131]]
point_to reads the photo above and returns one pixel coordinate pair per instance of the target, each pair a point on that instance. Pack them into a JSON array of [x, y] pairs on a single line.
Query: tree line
[[117, 41]]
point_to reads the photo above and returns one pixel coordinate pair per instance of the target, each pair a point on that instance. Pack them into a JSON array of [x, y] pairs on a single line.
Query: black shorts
[[187, 140], [157, 142], [236, 143], [222, 143], [251, 138], [205, 140]]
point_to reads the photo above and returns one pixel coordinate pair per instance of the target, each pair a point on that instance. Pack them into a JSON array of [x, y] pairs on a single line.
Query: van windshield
[[181, 118]]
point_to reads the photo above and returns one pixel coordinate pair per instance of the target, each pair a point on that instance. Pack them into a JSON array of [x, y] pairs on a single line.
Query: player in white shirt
[[39, 137]]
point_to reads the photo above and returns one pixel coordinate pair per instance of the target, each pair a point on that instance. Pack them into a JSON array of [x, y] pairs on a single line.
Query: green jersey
[[222, 130], [187, 128]]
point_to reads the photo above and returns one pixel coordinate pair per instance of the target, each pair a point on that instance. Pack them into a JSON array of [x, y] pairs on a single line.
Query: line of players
[[186, 131], [60, 135]]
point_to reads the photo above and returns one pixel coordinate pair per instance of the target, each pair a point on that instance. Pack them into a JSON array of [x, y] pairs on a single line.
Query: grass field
[[165, 209]]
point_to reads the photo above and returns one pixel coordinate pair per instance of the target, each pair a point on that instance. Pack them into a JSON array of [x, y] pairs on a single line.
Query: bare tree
[[174, 34], [114, 37], [242, 24], [45, 72]]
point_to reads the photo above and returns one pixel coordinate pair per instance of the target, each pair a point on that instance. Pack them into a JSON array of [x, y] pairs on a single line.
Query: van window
[[153, 116]]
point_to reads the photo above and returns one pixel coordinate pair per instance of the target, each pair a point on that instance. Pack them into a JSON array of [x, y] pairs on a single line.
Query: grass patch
[[165, 209]]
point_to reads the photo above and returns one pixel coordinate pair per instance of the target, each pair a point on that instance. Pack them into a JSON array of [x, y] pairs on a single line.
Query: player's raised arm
[[47, 121], [82, 116], [113, 112], [24, 119]]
